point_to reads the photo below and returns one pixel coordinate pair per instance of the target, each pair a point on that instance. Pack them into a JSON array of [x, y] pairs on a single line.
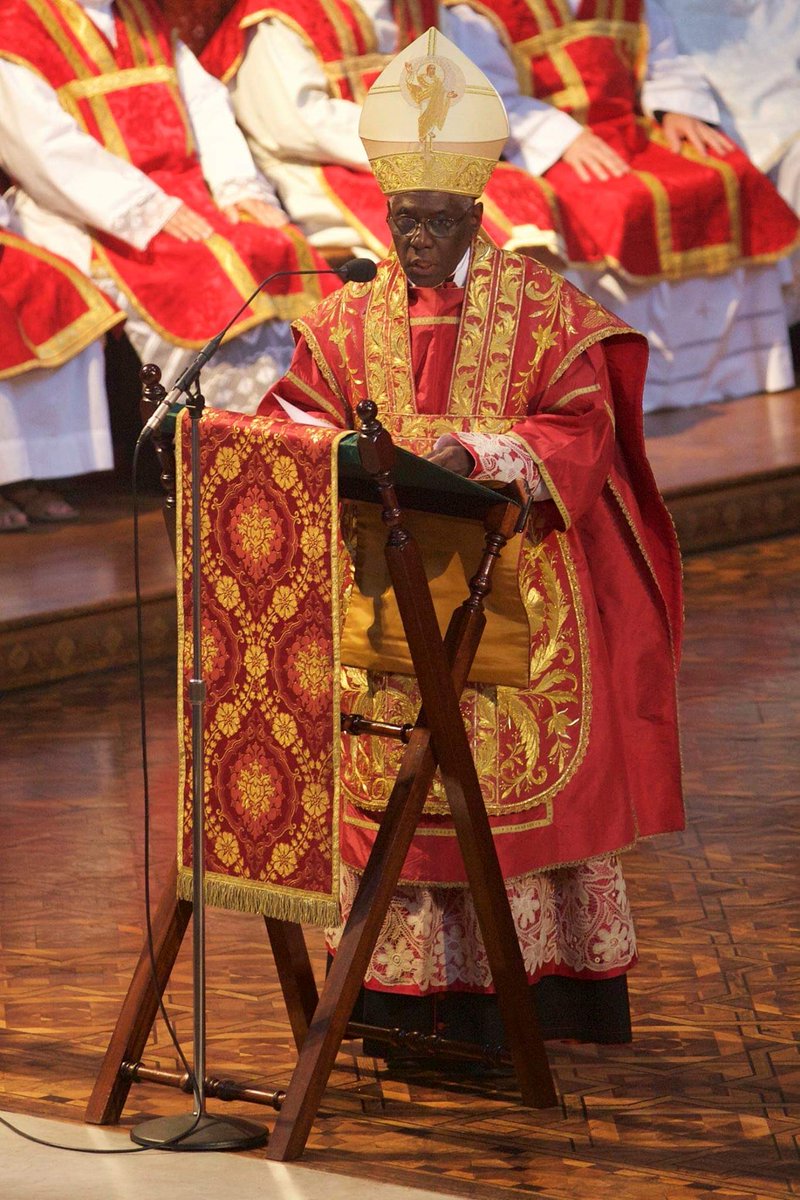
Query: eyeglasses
[[438, 227]]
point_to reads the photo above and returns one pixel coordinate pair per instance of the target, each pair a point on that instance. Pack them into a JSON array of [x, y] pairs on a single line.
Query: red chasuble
[[584, 759], [49, 311], [128, 99], [674, 215], [518, 210]]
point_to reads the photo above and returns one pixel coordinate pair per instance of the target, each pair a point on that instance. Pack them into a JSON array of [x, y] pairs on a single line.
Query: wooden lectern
[[436, 740]]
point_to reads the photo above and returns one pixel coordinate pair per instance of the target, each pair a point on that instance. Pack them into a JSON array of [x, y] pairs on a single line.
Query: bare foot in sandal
[[12, 519], [39, 505]]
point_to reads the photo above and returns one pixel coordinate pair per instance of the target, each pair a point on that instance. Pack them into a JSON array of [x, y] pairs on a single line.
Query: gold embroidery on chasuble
[[528, 741], [482, 373], [387, 351]]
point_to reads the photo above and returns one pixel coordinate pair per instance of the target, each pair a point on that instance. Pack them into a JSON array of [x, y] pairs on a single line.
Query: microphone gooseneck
[[355, 270]]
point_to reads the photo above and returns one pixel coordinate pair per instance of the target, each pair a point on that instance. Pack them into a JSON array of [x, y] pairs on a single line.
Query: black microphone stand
[[197, 1130]]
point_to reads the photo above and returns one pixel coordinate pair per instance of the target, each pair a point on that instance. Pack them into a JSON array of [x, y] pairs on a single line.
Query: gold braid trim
[[482, 370], [590, 340], [115, 81], [646, 557], [284, 308], [143, 35], [573, 395], [96, 47], [183, 645], [69, 342], [440, 171], [134, 13], [324, 367], [387, 343], [319, 400]]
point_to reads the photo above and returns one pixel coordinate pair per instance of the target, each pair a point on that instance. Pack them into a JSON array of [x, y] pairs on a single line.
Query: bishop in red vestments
[[497, 368]]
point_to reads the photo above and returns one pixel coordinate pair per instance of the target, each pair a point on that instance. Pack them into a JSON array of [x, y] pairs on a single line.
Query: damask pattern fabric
[[270, 608]]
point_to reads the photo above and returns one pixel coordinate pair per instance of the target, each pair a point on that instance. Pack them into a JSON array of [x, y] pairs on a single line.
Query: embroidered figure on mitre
[[432, 84]]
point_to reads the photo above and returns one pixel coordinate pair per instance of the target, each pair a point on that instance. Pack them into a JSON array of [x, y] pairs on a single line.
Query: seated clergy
[[127, 160], [298, 74], [54, 421], [663, 220], [750, 55]]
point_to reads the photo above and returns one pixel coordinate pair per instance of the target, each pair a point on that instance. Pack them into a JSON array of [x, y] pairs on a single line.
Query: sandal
[[12, 519], [38, 506]]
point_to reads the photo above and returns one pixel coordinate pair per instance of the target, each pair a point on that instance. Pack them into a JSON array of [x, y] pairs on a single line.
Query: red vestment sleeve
[[569, 431], [306, 387]]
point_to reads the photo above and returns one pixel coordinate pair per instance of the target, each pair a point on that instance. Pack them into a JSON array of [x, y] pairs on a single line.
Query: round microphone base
[[188, 1132]]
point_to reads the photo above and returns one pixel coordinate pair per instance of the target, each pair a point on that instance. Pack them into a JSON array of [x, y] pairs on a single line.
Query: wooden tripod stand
[[436, 740]]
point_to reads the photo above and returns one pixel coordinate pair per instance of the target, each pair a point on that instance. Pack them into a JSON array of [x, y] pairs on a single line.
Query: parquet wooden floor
[[705, 1102]]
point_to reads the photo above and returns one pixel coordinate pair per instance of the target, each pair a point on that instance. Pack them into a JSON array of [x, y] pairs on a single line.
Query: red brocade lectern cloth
[[270, 604]]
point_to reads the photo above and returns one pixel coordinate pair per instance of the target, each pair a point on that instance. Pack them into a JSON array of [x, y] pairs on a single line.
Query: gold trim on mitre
[[432, 121]]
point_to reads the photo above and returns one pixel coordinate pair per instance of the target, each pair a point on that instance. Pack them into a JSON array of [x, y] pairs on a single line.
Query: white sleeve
[[282, 102], [673, 82], [69, 173], [225, 157], [540, 133]]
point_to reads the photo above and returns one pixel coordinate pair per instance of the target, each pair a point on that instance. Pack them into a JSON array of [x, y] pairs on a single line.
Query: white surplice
[[67, 182], [710, 337], [749, 51]]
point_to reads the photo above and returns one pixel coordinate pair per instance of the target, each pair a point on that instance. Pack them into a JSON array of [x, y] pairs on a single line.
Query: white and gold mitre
[[432, 121]]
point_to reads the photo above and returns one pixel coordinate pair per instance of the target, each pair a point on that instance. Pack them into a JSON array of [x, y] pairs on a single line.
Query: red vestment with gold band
[[673, 215], [127, 98], [49, 311]]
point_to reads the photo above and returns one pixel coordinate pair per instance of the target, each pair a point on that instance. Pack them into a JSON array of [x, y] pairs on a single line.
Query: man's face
[[440, 228]]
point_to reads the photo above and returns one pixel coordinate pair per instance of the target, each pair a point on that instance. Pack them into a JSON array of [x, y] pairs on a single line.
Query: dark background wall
[[195, 20]]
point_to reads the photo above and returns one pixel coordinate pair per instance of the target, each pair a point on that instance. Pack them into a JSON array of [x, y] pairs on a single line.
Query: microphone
[[355, 270]]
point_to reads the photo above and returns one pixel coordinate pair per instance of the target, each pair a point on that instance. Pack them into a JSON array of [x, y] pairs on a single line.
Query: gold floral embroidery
[[544, 728], [482, 370], [387, 343], [268, 849]]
